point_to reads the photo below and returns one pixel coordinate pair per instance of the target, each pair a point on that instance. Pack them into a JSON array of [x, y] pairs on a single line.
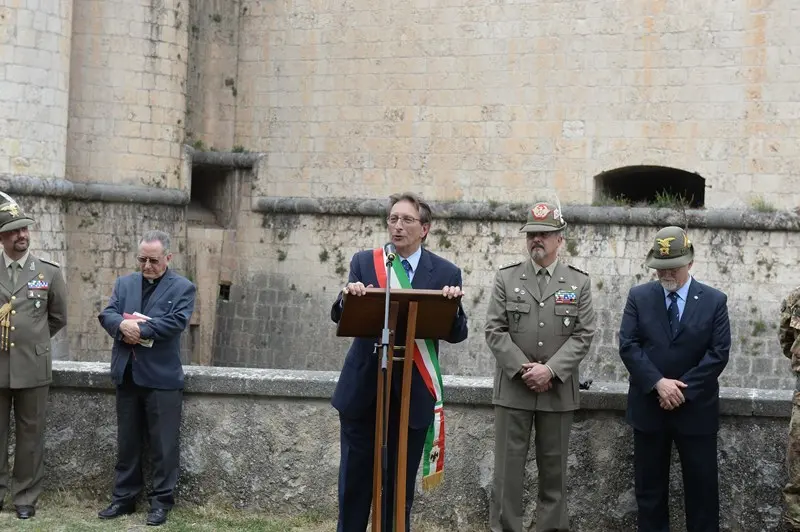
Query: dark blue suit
[[355, 399], [695, 356], [149, 382]]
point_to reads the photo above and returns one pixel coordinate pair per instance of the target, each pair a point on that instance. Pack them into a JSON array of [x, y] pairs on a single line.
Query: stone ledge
[[61, 188], [516, 212], [224, 159], [303, 384]]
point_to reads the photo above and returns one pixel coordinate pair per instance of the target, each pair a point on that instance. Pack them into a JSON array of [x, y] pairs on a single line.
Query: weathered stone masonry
[[268, 439]]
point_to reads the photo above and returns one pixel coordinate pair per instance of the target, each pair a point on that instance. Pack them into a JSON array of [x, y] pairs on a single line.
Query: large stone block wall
[[269, 439], [34, 86], [103, 244], [288, 269], [128, 92], [487, 101], [213, 73]]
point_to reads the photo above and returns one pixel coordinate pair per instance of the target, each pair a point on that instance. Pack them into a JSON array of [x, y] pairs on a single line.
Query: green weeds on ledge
[[759, 204]]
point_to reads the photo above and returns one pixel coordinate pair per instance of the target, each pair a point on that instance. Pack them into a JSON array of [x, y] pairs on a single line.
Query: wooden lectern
[[418, 314]]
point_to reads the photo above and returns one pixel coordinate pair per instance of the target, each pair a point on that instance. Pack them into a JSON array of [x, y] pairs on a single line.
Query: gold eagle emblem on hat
[[664, 244], [11, 208]]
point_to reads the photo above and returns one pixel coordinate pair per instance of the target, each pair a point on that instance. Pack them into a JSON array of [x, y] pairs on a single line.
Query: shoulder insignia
[[584, 272], [510, 264], [51, 262]]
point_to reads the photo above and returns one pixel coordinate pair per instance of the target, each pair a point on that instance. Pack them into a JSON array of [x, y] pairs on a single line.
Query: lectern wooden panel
[[365, 319], [414, 314]]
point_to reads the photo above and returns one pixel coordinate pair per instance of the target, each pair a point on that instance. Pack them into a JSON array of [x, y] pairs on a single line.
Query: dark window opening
[[213, 197], [655, 186], [225, 291]]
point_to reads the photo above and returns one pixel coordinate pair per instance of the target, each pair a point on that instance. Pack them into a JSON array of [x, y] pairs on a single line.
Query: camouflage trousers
[[791, 493]]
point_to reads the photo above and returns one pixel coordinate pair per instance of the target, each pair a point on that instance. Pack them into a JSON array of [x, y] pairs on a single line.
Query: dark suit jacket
[[356, 390], [170, 307], [696, 357]]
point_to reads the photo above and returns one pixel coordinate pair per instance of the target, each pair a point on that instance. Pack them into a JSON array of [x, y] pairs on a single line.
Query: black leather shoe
[[157, 516], [25, 512], [115, 510]]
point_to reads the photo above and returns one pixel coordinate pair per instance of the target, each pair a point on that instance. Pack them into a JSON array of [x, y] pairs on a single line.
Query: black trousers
[[156, 415], [698, 457], [355, 469]]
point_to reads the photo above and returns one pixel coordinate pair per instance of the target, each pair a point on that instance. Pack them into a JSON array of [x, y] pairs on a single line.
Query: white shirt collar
[[413, 260]]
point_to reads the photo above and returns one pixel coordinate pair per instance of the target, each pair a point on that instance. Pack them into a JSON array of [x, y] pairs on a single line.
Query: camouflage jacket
[[789, 328]]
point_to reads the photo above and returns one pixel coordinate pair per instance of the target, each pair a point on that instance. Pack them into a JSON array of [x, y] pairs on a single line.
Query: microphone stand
[[385, 335]]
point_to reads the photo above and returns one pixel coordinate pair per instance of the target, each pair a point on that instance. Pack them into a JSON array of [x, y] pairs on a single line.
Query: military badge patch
[[563, 297], [540, 211], [38, 285]]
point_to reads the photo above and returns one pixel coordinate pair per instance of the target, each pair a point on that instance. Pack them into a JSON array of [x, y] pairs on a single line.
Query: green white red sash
[[427, 362]]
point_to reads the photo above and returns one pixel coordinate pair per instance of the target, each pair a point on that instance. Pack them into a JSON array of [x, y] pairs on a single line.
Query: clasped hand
[[131, 334], [670, 395], [358, 289], [537, 377]]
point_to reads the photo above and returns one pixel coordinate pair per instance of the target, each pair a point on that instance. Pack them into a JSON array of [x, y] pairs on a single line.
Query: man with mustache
[[674, 339], [33, 308], [540, 325]]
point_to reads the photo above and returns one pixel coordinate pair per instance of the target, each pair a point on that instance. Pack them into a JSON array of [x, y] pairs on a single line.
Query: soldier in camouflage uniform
[[33, 308], [789, 335]]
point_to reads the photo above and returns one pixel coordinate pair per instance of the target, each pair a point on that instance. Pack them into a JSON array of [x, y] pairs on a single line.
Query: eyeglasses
[[145, 260], [404, 220]]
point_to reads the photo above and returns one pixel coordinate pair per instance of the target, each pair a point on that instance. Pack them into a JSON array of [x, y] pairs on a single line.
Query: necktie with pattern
[[407, 268], [674, 320]]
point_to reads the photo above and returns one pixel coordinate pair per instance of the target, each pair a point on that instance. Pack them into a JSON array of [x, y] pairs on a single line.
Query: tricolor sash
[[427, 362]]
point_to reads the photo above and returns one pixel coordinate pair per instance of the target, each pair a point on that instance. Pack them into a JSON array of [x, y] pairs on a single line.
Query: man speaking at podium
[[409, 221]]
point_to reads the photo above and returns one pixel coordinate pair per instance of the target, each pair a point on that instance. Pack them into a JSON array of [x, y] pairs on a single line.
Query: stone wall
[[269, 439], [34, 87], [128, 92], [289, 267], [213, 73], [105, 239], [467, 100], [108, 236]]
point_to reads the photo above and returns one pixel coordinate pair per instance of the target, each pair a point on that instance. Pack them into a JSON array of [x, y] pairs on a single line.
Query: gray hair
[[156, 236]]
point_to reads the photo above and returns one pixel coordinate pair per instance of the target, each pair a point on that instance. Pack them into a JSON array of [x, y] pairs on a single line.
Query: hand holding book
[[138, 317]]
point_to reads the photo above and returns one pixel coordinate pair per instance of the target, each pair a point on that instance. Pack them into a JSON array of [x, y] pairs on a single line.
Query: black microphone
[[391, 252]]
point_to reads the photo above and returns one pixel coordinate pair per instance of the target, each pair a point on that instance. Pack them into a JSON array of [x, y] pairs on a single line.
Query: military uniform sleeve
[[565, 361], [787, 335], [57, 304], [508, 354]]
